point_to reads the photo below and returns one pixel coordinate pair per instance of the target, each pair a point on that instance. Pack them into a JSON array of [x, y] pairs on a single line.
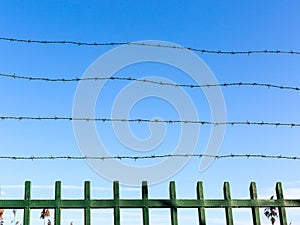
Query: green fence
[[145, 203]]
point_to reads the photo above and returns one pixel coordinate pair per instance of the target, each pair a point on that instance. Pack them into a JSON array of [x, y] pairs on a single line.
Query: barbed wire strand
[[149, 157], [47, 79], [276, 124], [151, 45]]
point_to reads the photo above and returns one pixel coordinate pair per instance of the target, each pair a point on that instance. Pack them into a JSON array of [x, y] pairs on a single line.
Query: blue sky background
[[215, 25]]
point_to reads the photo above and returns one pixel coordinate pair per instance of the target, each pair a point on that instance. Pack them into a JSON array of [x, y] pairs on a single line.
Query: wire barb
[[95, 44]]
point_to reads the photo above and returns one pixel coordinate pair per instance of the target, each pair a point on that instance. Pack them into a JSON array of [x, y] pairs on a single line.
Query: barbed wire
[[76, 79], [276, 124], [68, 157], [151, 45]]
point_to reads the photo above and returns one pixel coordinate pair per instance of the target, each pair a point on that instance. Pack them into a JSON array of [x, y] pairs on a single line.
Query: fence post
[[228, 209], [281, 209], [145, 200], [27, 197], [173, 209], [255, 210], [87, 198], [57, 213], [201, 210], [116, 203]]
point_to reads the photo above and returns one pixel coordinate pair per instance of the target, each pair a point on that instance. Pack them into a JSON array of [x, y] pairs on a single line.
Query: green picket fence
[[145, 203]]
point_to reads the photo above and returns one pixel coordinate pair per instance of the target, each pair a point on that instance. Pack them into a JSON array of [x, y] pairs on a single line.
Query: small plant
[[271, 213], [1, 218], [14, 222], [44, 214]]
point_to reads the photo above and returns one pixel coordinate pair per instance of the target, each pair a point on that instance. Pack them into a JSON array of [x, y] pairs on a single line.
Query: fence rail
[[145, 203]]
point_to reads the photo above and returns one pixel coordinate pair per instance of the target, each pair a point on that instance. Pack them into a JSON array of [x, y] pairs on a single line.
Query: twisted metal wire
[[292, 52], [68, 157], [123, 120], [76, 79]]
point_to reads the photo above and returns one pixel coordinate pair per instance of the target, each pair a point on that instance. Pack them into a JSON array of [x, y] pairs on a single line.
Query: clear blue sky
[[215, 25]]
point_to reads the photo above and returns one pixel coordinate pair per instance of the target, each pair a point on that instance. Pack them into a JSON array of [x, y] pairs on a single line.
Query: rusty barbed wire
[[68, 157], [76, 79], [151, 45], [56, 118]]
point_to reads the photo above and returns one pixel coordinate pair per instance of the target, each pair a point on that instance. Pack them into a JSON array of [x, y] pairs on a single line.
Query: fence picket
[[145, 201], [201, 210], [27, 197], [255, 210], [228, 208], [173, 208], [57, 210], [116, 203], [281, 209], [87, 198]]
